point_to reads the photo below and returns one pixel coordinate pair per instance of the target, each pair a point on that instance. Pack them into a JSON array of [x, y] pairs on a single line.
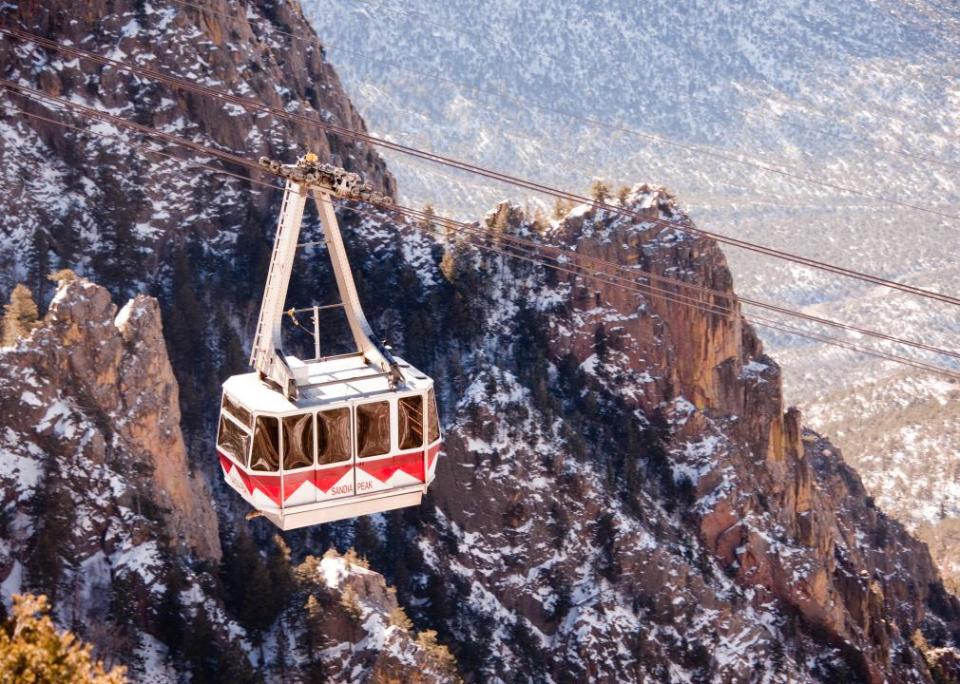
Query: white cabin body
[[348, 445]]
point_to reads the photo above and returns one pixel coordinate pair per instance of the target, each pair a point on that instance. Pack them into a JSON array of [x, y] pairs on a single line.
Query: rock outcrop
[[624, 496], [640, 503], [92, 392], [119, 211], [351, 606]]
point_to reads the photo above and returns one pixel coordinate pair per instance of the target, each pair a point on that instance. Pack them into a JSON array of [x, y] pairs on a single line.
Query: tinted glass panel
[[237, 411], [233, 440], [433, 420], [410, 414], [298, 441], [373, 429], [333, 436], [266, 445]]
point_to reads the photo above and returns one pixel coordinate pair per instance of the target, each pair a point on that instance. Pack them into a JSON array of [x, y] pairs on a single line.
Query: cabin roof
[[328, 382]]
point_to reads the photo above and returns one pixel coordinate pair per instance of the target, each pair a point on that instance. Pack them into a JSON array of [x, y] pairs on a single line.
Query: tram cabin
[[350, 444]]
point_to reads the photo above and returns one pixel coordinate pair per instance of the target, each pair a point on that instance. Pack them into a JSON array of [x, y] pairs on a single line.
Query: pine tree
[[200, 648], [20, 315], [171, 624], [599, 191], [39, 261], [280, 664], [185, 327], [540, 222], [429, 217], [64, 275], [281, 575], [398, 617], [440, 654], [234, 359], [350, 602], [365, 539], [129, 600], [54, 521], [314, 670], [32, 650]]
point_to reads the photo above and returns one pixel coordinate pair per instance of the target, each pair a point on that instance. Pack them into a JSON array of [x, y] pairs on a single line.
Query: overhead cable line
[[557, 253], [712, 309], [645, 290], [342, 131]]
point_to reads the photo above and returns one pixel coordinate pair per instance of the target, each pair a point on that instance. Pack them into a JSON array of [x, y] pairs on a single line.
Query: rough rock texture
[[372, 640], [92, 384], [121, 216], [643, 506], [623, 496]]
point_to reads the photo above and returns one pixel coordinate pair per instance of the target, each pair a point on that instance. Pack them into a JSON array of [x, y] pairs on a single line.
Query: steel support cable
[[758, 320], [558, 252], [144, 148], [527, 104], [697, 304], [630, 284], [631, 274], [248, 103]]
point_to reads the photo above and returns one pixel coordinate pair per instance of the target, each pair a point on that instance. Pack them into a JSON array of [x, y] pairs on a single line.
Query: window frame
[[228, 409], [431, 414], [391, 427], [423, 422], [279, 469], [283, 441], [243, 463], [349, 456]]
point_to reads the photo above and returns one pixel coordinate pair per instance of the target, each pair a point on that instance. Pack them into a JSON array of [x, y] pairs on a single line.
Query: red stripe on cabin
[[383, 469], [268, 484], [293, 481], [244, 478], [327, 477], [432, 455], [225, 462]]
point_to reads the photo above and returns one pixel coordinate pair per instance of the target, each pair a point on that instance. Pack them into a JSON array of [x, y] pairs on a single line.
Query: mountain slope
[[637, 501], [623, 495], [856, 95]]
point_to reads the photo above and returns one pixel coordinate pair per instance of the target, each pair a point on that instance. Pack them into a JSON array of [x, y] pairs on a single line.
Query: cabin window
[[333, 436], [298, 441], [410, 415], [233, 441], [266, 445], [433, 420], [237, 411], [373, 429]]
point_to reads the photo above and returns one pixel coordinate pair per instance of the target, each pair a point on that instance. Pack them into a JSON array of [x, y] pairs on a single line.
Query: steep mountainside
[[124, 215], [623, 495], [101, 512], [908, 429], [852, 94], [640, 506]]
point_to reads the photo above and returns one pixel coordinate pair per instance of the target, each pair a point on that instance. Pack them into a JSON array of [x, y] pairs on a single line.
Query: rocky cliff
[[102, 512], [123, 216], [623, 497], [639, 504], [93, 391]]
